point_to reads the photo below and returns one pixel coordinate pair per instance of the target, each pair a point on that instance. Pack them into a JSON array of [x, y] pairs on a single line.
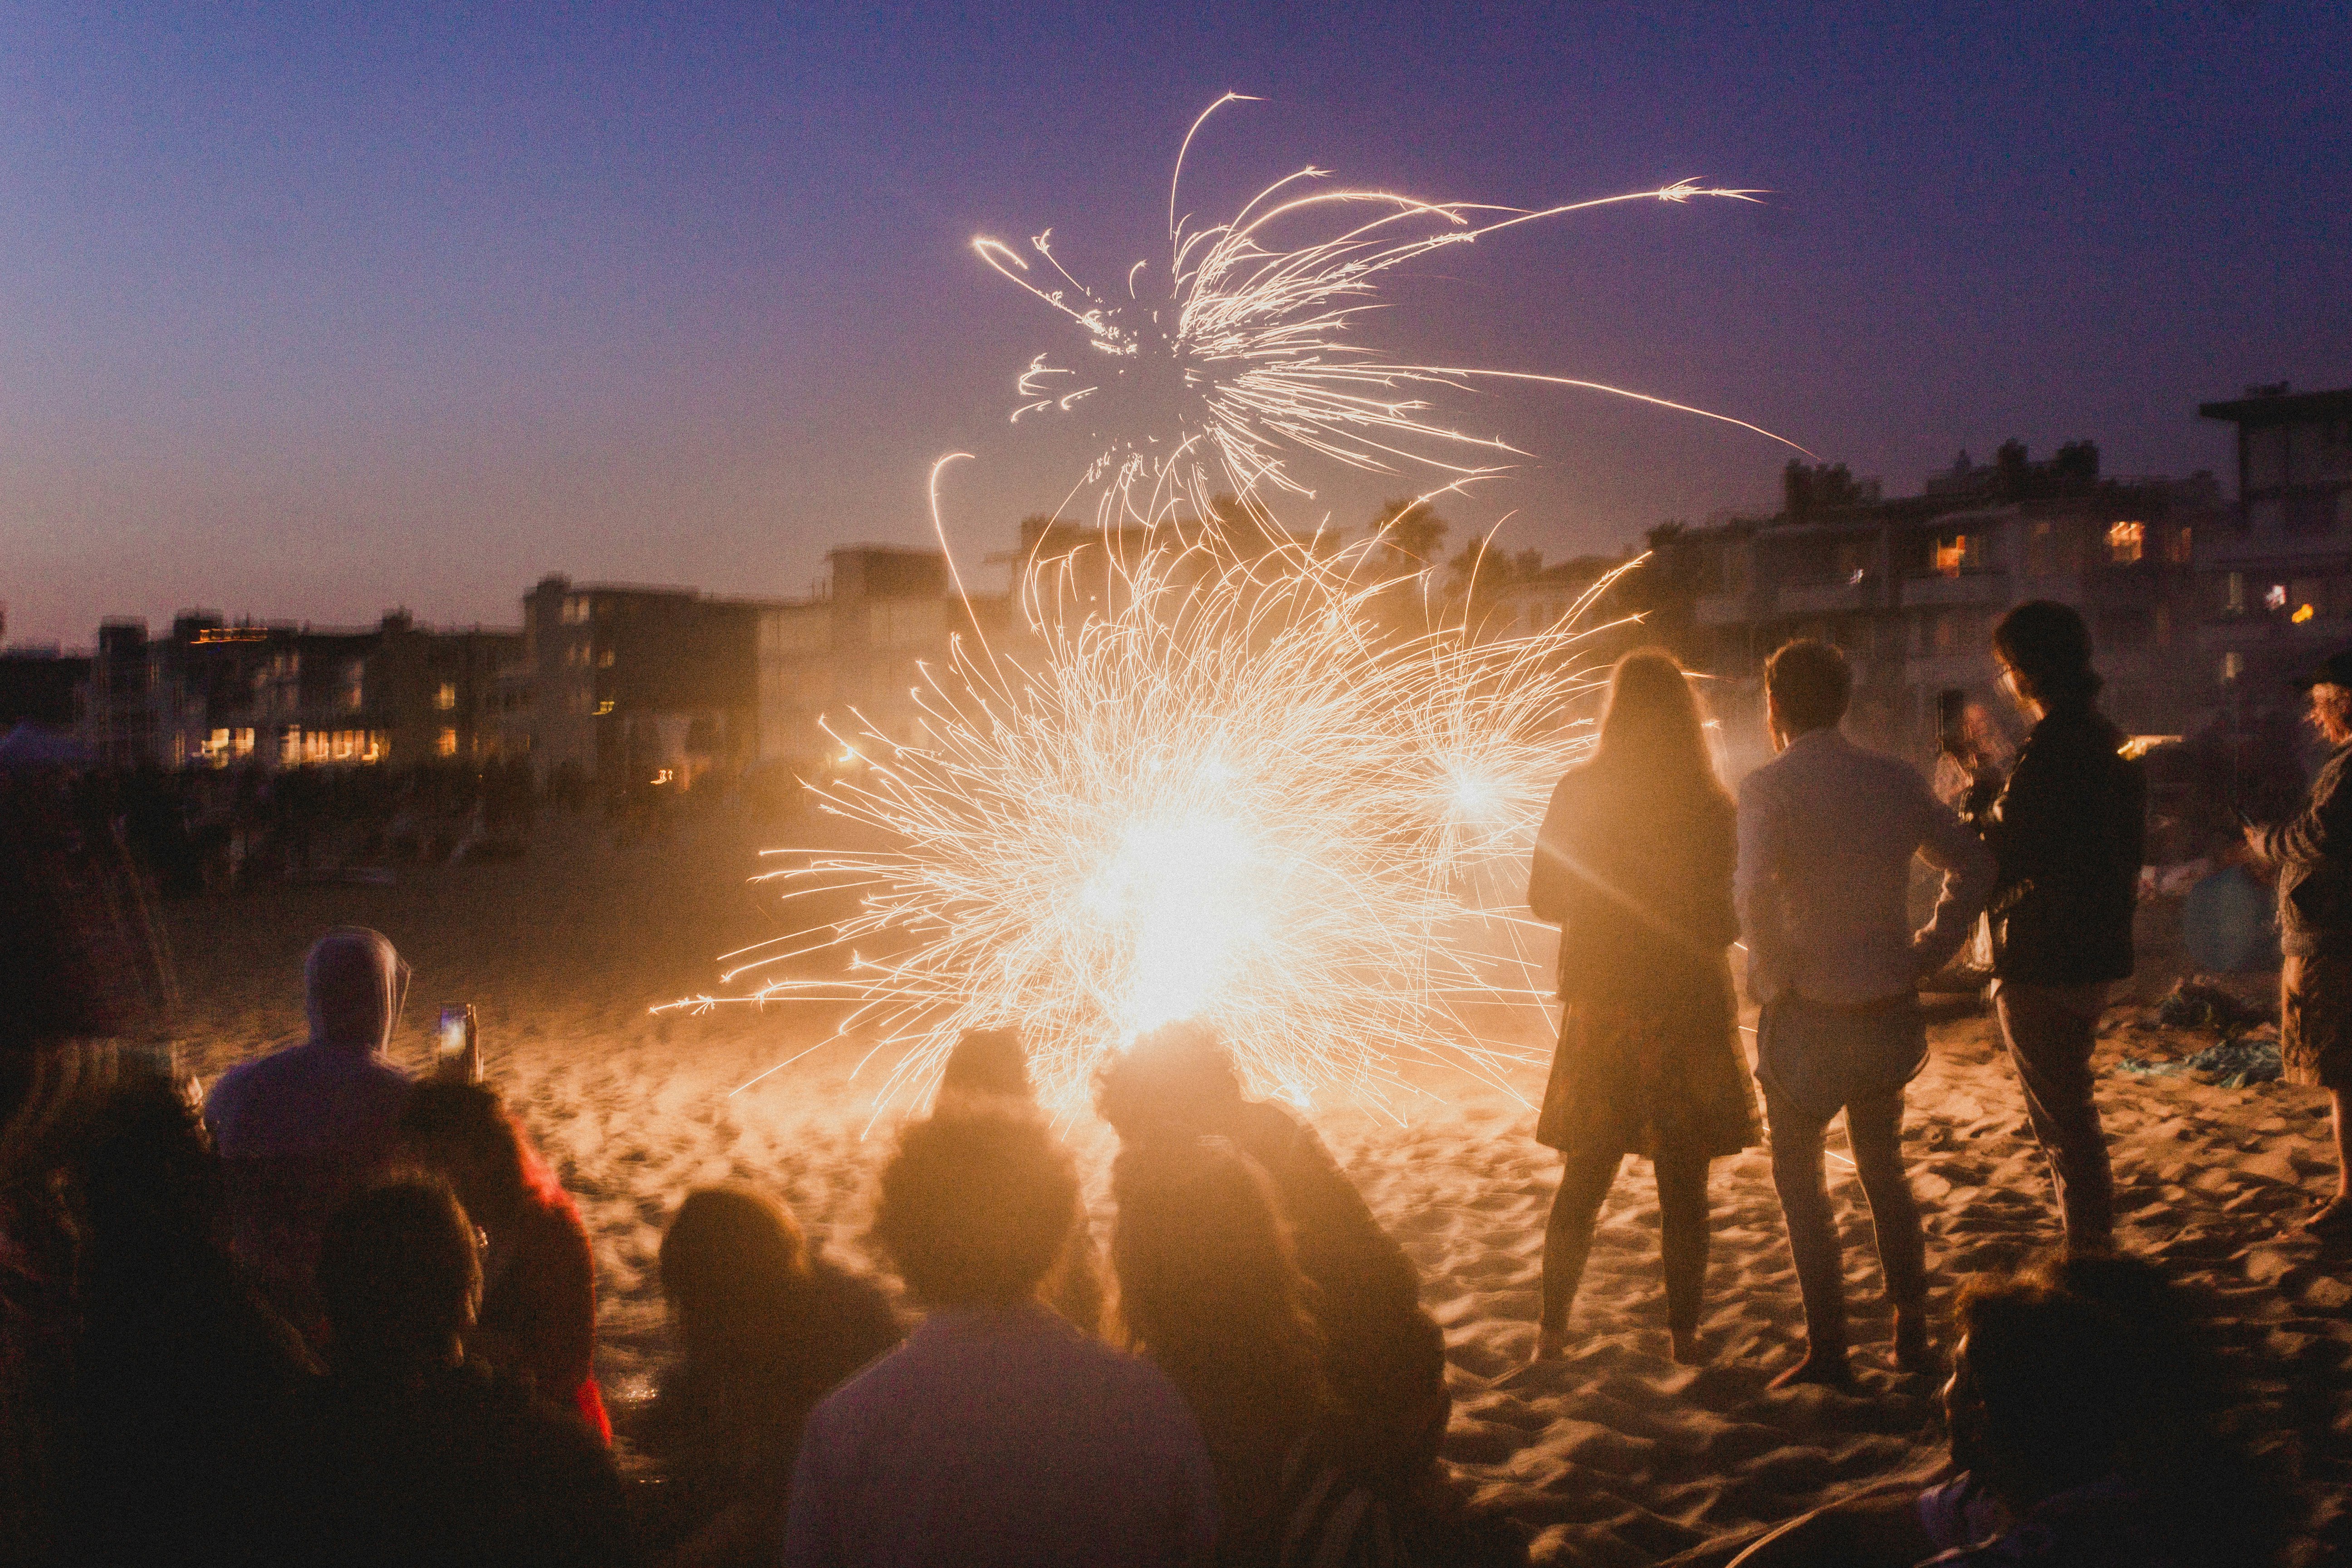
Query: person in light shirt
[[1827, 832], [998, 1434]]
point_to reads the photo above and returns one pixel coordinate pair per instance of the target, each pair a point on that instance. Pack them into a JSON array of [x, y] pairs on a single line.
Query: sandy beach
[[1615, 1456]]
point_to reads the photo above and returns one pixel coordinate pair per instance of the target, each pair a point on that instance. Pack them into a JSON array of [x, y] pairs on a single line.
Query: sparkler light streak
[[1246, 358], [1226, 799], [1200, 779]]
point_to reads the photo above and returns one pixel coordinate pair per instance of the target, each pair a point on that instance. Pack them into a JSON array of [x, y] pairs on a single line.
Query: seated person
[[185, 1386], [410, 1452], [997, 1434], [767, 1330], [2081, 1408], [992, 1064], [1384, 1356], [538, 1288], [302, 1128]]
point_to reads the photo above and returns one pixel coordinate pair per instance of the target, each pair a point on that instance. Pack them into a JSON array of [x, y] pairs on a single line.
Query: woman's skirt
[[1640, 1077]]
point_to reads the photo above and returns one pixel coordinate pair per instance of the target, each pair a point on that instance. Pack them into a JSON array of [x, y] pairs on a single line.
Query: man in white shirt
[[1827, 832]]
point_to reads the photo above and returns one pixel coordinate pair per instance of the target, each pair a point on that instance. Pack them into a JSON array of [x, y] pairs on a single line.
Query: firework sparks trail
[[1244, 356], [1206, 776], [1229, 799]]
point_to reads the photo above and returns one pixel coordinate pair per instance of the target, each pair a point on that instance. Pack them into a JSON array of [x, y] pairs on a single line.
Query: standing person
[[1827, 832], [1634, 863], [302, 1128], [538, 1283], [997, 1434], [2066, 832], [2313, 855]]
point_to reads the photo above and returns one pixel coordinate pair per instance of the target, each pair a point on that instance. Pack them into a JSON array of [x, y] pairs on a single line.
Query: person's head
[[734, 1264], [975, 1205], [399, 1276], [145, 1176], [987, 1063], [1177, 1080], [352, 987], [461, 1133], [1652, 729], [1806, 685], [2043, 650], [1207, 1284], [2056, 1377], [2327, 698]]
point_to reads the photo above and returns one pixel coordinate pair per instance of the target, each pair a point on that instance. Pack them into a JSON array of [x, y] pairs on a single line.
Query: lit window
[[605, 659], [2274, 596], [2126, 542], [2233, 665], [2302, 614], [606, 706], [1959, 553], [446, 698], [447, 744], [2179, 554], [2234, 596]]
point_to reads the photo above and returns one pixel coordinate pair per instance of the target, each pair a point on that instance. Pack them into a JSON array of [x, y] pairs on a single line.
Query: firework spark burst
[[1227, 798], [1243, 359], [1206, 773]]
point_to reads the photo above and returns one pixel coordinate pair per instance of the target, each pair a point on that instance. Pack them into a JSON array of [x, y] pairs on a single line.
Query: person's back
[[1640, 886], [1385, 1356], [410, 1454], [1844, 823], [302, 1128], [997, 1434], [456, 1464], [185, 1385], [1001, 1436], [767, 1330]]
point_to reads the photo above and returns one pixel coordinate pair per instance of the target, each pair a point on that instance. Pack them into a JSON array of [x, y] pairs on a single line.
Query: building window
[[606, 706], [2274, 597], [2126, 543], [447, 744], [2233, 665], [2179, 552], [1959, 553], [605, 659], [2039, 561], [576, 609], [446, 697], [2233, 595]]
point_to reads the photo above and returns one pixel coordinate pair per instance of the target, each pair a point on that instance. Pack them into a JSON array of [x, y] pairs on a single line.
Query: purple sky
[[310, 313]]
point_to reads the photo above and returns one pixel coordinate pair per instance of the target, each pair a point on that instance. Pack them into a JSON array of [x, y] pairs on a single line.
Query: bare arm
[[1968, 871]]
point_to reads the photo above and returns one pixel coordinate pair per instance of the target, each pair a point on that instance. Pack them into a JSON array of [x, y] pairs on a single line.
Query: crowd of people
[[333, 1313]]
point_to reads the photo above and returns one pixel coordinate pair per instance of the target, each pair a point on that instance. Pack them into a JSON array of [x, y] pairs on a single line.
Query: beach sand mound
[[1613, 1455]]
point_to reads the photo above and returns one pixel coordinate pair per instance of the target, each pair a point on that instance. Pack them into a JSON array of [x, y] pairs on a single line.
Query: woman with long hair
[[1209, 1290], [1635, 863], [768, 1328]]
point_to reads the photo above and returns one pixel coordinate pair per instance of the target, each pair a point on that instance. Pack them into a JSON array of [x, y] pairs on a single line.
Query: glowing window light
[[2274, 596], [2126, 543], [2302, 614]]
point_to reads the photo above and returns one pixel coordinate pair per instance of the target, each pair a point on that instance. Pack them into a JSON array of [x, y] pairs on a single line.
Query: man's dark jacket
[[2067, 832], [2314, 855]]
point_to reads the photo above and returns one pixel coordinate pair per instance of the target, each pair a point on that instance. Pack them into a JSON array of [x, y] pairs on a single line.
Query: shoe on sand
[[2331, 1221], [1913, 1354], [1827, 1369]]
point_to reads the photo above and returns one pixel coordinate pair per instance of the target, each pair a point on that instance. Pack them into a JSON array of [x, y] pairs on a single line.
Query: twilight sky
[[308, 311]]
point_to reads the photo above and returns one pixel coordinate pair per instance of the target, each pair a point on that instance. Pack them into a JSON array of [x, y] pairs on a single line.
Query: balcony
[[1966, 588], [1864, 591]]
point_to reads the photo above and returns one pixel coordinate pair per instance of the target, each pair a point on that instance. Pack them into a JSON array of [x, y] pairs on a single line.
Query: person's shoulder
[[859, 1309]]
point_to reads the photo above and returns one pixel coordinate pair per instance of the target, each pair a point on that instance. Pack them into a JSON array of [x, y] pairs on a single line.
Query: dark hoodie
[[302, 1128]]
